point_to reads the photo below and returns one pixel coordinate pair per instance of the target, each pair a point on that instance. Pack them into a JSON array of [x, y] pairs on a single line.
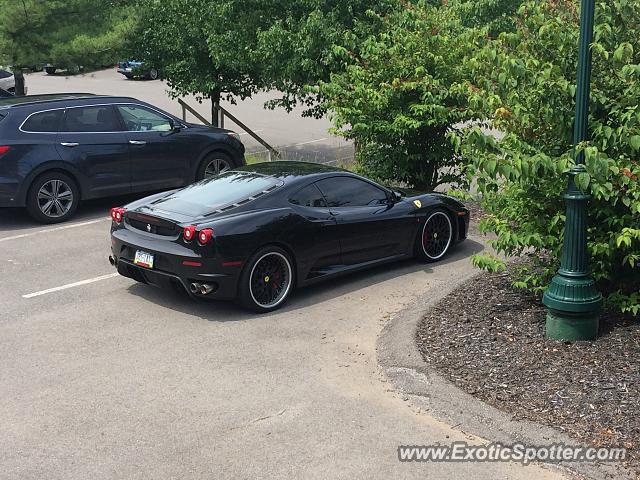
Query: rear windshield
[[215, 193]]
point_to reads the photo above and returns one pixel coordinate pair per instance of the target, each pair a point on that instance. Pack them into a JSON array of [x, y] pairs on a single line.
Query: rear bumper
[[169, 268]]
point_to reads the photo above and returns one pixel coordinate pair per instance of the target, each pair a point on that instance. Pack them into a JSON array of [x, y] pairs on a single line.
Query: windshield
[[215, 193]]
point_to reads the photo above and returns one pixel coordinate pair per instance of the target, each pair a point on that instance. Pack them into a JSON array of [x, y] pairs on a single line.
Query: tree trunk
[[19, 83], [215, 108]]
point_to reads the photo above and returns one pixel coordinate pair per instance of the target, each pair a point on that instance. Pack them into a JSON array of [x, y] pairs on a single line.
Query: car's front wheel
[[153, 74], [50, 70], [435, 237], [53, 198], [214, 164], [267, 280]]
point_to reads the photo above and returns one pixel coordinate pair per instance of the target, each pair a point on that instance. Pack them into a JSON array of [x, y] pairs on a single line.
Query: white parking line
[[246, 133], [307, 143], [47, 230], [70, 285], [281, 147]]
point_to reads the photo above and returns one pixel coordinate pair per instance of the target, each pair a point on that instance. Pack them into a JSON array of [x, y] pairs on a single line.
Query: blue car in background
[[134, 68]]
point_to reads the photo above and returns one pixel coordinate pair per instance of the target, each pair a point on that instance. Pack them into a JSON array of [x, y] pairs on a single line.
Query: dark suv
[[56, 150]]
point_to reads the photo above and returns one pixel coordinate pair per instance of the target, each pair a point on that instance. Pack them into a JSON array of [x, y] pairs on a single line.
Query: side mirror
[[394, 197], [175, 126]]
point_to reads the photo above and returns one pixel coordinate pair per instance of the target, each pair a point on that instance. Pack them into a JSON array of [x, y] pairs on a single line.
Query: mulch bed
[[488, 339]]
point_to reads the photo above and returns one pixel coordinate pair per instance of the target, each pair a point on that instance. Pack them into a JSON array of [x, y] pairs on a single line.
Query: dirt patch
[[488, 339]]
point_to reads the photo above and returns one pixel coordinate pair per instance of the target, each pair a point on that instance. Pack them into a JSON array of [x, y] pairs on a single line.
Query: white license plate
[[143, 259]]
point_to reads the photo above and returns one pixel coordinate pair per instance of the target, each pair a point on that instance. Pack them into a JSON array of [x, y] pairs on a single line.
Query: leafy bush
[[524, 82], [401, 99]]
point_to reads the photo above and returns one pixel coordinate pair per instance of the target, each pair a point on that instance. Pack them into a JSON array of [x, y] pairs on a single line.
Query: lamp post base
[[573, 305], [571, 327]]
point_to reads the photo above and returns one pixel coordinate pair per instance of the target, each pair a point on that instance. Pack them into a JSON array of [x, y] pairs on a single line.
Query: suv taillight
[[4, 149]]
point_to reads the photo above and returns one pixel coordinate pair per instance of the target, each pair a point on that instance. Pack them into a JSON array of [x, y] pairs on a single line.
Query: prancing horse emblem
[[148, 227]]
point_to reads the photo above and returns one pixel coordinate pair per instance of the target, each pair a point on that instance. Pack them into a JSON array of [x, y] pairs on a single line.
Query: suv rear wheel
[[53, 198]]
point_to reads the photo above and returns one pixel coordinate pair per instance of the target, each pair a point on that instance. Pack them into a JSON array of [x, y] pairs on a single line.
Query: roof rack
[[47, 97]]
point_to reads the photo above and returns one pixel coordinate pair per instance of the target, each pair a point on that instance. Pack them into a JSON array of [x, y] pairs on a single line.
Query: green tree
[[524, 83], [202, 48], [71, 32], [302, 45], [495, 16], [403, 99], [233, 48]]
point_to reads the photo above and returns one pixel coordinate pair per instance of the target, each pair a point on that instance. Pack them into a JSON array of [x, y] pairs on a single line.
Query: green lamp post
[[572, 299]]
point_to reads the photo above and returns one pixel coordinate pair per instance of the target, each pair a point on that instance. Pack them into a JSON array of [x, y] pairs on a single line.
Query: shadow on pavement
[[223, 311]]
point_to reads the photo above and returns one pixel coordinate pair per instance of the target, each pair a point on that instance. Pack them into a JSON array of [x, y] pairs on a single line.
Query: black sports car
[[254, 233]]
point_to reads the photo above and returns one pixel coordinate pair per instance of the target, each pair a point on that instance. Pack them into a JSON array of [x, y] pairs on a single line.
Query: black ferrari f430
[[255, 233]]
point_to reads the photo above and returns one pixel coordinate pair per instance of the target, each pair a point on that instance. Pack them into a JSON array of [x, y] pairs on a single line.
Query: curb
[[402, 364]]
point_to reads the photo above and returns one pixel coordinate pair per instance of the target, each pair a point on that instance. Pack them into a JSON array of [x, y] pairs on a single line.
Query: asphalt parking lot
[[105, 378]]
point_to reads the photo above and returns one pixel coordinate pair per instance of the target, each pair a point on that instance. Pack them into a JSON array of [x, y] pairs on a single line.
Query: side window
[[140, 119], [5, 74], [101, 118], [351, 192], [309, 196], [44, 122]]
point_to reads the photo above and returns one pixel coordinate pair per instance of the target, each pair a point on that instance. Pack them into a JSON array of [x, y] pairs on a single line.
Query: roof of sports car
[[287, 169]]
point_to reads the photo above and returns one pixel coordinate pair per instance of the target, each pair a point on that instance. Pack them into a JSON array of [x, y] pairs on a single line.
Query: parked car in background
[[56, 150], [7, 81], [134, 68], [51, 69]]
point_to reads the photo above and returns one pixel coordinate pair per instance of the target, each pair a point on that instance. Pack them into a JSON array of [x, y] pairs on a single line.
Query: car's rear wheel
[[53, 198], [435, 237], [153, 74], [50, 70], [267, 280], [214, 164]]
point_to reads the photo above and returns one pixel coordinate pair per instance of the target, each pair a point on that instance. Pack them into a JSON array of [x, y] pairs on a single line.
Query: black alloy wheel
[[436, 236], [267, 279]]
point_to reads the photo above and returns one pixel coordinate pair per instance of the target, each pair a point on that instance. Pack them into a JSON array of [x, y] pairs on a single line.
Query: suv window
[[44, 121], [101, 118], [140, 119], [309, 196], [351, 192], [5, 74]]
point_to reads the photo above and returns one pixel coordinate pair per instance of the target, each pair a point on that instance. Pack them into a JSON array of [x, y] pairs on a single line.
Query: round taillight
[[188, 233], [205, 236], [117, 214]]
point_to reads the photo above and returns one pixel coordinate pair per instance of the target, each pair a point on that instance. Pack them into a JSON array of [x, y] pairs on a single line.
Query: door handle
[[137, 142], [69, 144]]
